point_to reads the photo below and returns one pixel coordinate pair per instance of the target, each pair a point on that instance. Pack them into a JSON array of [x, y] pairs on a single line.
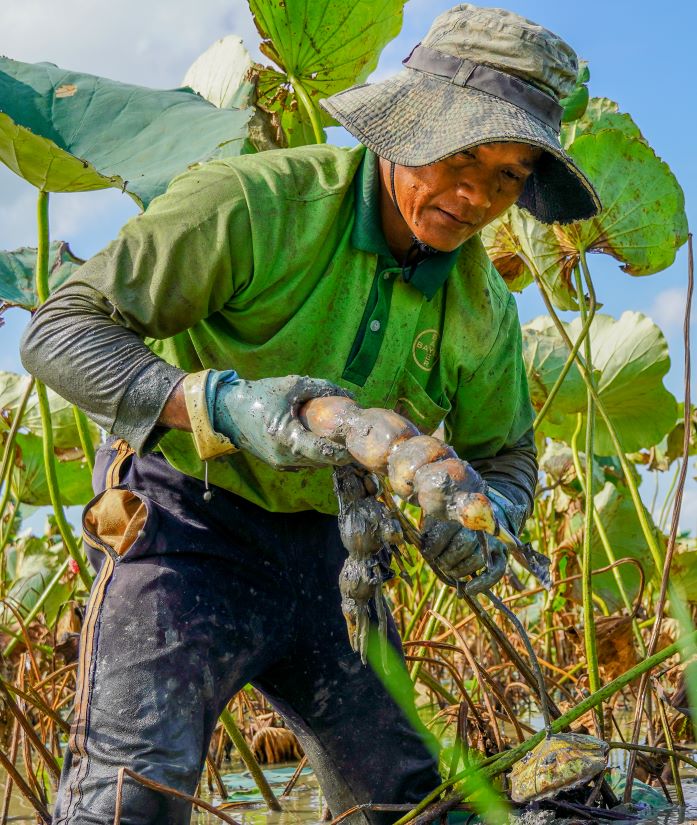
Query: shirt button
[[375, 326]]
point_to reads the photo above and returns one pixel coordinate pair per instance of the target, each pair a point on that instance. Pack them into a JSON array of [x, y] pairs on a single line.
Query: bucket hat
[[481, 75]]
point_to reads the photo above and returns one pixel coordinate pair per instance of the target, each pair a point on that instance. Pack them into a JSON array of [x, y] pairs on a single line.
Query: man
[[363, 269]]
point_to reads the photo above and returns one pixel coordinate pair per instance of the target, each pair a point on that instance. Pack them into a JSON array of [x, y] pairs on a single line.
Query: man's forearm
[[75, 346]]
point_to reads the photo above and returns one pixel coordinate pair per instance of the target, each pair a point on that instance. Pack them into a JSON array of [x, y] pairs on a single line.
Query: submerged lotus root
[[329, 417], [409, 456], [435, 485], [374, 435]]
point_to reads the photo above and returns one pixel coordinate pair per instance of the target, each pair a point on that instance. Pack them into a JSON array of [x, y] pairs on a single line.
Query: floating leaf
[[17, 273], [65, 432], [106, 133], [319, 49], [222, 74], [630, 358], [29, 482]]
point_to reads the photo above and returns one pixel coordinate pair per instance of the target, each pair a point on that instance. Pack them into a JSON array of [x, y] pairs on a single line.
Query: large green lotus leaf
[[516, 239], [545, 353], [576, 103], [683, 575], [17, 273], [321, 49], [34, 563], [601, 113], [222, 74], [642, 223], [671, 447], [630, 358], [29, 482], [65, 432], [643, 220], [65, 131], [621, 523]]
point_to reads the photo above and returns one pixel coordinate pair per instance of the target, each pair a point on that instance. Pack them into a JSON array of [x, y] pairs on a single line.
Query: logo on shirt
[[425, 349]]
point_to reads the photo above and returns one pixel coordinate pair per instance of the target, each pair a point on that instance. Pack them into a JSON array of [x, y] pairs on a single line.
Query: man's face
[[445, 203]]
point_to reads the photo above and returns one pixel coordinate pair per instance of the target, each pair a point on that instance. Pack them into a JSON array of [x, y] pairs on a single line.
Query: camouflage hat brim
[[414, 119]]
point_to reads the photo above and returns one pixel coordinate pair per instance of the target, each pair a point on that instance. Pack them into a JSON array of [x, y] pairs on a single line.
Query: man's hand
[[459, 552], [261, 417]]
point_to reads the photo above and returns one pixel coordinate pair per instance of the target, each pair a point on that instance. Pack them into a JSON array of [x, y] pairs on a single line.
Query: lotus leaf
[[683, 575], [29, 482], [17, 278], [33, 562], [320, 49], [642, 223], [64, 131], [601, 113], [575, 104], [222, 74], [619, 518], [516, 240], [671, 447], [65, 433], [630, 358], [643, 220]]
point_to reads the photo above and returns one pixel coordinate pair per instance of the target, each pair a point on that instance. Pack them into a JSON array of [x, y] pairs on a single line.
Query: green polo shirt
[[274, 264]]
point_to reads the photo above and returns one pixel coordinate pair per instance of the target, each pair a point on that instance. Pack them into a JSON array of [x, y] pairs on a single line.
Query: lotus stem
[[42, 247], [54, 489], [585, 329], [8, 452], [250, 762], [85, 437], [420, 606], [665, 576], [649, 536], [502, 762], [586, 564], [33, 613], [310, 108], [605, 541], [669, 742], [665, 508], [430, 629], [47, 440]]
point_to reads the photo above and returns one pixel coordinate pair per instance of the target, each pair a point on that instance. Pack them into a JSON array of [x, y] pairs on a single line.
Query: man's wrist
[[199, 391]]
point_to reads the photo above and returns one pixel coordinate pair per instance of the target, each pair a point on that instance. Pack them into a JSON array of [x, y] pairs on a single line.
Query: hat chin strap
[[418, 248]]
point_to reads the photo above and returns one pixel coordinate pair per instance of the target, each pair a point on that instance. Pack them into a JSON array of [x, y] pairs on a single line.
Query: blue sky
[[640, 54]]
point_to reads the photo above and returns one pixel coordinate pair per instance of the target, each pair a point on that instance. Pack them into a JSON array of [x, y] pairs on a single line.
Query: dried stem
[[670, 549]]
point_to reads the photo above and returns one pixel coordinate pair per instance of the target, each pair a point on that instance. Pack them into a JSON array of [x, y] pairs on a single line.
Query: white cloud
[[668, 308], [688, 511], [151, 44]]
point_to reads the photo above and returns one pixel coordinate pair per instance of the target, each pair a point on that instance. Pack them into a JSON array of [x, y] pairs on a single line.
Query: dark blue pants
[[192, 601]]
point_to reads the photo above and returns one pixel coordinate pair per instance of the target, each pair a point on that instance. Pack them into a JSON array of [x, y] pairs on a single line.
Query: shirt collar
[[429, 275]]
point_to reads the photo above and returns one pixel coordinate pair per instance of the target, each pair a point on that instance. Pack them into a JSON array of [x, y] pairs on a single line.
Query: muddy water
[[305, 804]]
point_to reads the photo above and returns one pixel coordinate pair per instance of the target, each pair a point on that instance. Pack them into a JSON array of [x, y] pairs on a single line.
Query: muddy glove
[[260, 417], [459, 552]]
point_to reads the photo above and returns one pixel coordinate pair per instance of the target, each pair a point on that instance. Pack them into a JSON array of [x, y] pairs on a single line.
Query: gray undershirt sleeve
[[77, 344]]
